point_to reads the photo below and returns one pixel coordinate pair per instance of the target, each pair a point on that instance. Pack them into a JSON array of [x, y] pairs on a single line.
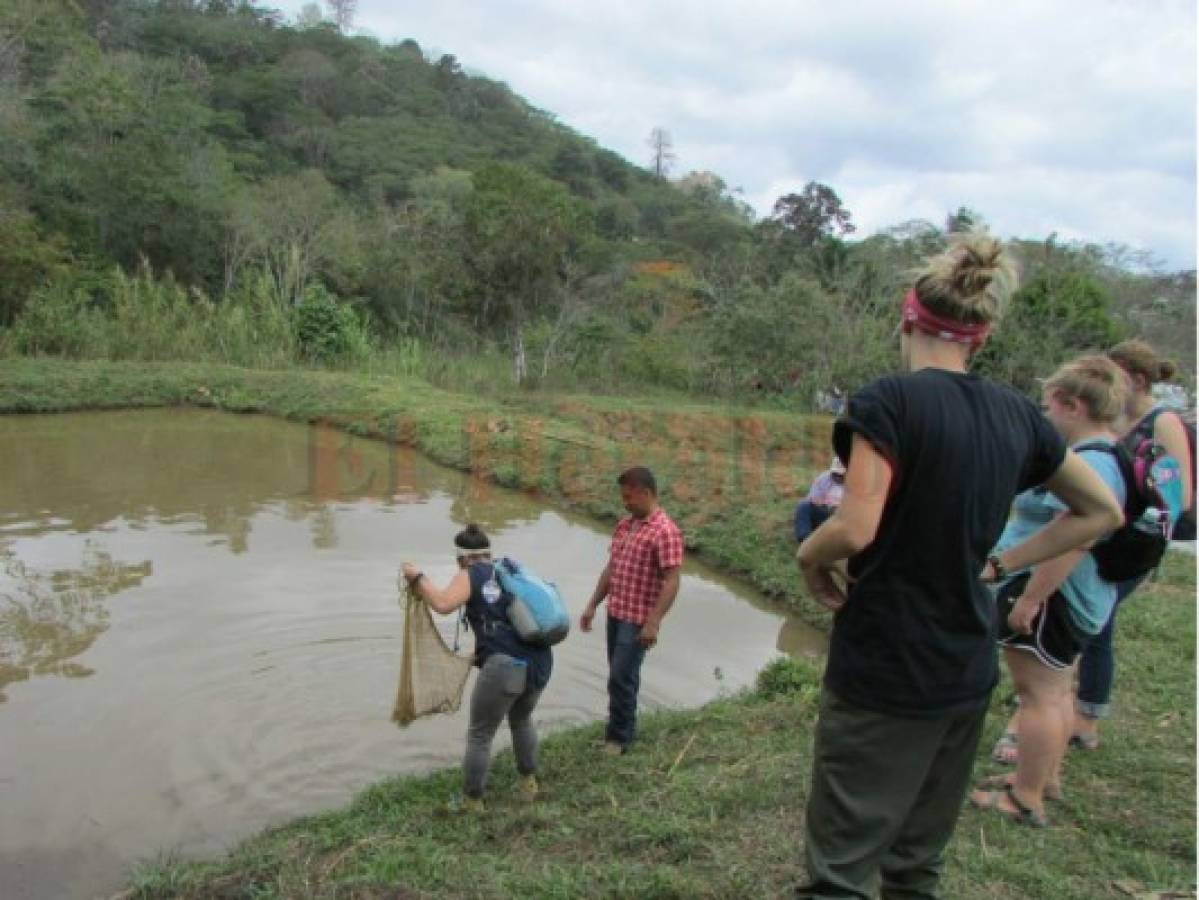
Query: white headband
[[462, 551]]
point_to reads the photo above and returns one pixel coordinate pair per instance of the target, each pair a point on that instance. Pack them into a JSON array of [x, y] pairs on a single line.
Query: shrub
[[60, 319], [327, 330], [785, 675]]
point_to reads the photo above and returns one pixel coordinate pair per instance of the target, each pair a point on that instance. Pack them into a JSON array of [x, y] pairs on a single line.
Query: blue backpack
[[535, 609], [1152, 506]]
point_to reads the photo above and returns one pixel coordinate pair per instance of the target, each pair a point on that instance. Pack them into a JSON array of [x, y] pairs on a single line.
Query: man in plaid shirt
[[640, 583]]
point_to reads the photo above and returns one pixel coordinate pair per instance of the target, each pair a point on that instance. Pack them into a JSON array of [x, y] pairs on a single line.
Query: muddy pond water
[[200, 634]]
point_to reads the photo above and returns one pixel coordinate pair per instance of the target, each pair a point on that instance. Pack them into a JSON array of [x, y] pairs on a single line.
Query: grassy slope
[[711, 803]]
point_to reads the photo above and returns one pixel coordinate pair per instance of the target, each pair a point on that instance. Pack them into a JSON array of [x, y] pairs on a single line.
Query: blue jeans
[[1097, 668], [625, 656], [808, 517]]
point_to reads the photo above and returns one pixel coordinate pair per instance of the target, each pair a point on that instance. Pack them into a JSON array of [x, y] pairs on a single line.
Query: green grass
[[711, 802]]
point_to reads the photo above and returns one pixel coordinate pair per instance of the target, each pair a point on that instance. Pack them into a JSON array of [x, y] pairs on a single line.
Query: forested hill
[[237, 160]]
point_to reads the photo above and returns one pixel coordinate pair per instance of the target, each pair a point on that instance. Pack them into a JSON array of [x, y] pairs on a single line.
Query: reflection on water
[[48, 619], [227, 584], [796, 638]]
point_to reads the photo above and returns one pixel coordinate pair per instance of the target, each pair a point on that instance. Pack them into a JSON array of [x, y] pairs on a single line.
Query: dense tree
[[41, 33], [572, 165], [520, 229], [612, 170], [1054, 315], [965, 219], [813, 214]]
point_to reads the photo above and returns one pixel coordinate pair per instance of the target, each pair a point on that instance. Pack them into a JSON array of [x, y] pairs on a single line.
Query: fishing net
[[432, 676]]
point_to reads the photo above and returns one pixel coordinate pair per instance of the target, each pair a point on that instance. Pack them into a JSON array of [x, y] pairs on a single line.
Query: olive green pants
[[886, 794]]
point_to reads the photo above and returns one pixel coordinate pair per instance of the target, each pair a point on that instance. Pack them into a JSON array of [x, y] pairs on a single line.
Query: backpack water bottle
[[1153, 521]]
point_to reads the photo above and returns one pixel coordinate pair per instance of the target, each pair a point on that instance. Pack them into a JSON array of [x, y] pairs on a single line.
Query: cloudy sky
[[1069, 116]]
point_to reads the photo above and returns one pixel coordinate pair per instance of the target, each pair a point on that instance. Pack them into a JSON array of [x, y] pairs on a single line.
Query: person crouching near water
[[1047, 615], [934, 458], [512, 674], [822, 500]]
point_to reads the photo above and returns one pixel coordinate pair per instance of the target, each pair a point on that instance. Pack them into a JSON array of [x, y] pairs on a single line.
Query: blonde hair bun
[[971, 281]]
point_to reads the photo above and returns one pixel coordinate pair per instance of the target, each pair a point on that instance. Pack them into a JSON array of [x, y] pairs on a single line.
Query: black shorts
[[1055, 640]]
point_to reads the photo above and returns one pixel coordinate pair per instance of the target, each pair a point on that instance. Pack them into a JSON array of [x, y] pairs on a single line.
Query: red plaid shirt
[[641, 552]]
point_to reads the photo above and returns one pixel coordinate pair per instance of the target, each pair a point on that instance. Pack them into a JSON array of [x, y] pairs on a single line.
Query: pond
[[200, 630]]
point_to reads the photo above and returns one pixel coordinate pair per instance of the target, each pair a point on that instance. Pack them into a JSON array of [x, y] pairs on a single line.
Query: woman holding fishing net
[[512, 673]]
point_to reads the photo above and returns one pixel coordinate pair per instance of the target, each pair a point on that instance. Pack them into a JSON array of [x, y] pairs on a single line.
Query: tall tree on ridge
[[342, 12], [663, 151]]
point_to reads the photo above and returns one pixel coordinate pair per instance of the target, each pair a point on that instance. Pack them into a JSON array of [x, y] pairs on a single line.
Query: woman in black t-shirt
[[512, 674], [934, 458]]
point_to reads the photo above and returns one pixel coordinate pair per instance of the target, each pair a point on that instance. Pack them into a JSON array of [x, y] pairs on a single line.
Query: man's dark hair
[[638, 476]]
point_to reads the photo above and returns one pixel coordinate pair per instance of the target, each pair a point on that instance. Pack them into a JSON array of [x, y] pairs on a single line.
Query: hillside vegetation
[[206, 180]]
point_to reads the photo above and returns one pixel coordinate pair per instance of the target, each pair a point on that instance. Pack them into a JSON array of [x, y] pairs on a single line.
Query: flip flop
[[1053, 793], [1022, 815], [1005, 750]]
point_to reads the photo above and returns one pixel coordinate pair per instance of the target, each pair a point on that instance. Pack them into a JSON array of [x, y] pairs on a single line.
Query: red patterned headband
[[917, 315]]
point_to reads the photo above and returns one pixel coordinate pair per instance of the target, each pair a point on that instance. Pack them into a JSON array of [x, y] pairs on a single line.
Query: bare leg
[[1045, 720]]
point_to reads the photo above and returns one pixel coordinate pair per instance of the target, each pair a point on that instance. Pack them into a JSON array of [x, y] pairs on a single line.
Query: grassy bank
[[711, 802]]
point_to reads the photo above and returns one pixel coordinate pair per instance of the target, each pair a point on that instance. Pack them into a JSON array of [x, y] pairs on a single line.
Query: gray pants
[[500, 690], [886, 793]]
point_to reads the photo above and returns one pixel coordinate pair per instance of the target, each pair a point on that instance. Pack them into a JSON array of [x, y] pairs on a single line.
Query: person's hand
[[648, 636], [823, 586], [409, 570], [1021, 617], [587, 617]]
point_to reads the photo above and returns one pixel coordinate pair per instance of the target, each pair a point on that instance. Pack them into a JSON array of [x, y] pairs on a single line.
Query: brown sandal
[[1053, 792], [1022, 815]]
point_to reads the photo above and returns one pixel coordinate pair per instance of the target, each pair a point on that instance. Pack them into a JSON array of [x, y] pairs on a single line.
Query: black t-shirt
[[493, 634], [917, 635]]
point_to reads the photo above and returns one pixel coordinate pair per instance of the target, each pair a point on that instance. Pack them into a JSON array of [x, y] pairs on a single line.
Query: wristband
[[997, 567]]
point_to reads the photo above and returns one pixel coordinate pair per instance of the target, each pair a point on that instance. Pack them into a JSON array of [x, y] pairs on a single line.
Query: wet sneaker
[[528, 788], [468, 805]]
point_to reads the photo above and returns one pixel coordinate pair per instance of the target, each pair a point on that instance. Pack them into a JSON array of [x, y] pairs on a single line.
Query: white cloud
[[1031, 202], [1042, 114]]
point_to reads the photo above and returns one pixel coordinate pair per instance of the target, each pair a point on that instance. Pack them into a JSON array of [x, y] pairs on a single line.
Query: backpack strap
[[494, 615], [1104, 446], [1133, 506], [1144, 428]]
